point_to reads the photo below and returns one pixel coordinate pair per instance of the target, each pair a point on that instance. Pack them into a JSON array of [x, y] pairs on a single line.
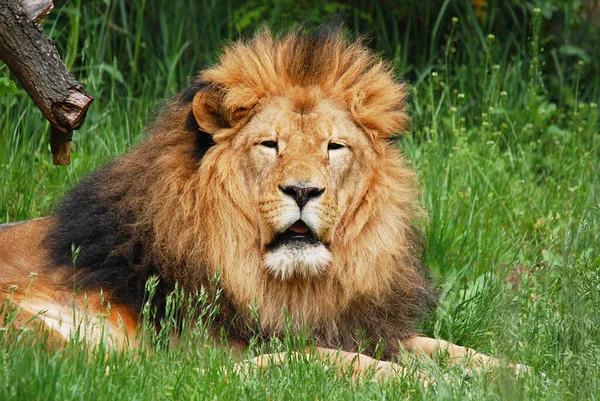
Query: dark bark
[[34, 60], [37, 9]]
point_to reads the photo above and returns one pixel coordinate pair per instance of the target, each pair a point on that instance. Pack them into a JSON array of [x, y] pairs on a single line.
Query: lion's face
[[305, 130], [302, 170]]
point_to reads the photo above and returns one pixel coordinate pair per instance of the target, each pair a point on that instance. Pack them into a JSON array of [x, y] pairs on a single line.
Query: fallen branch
[[34, 60]]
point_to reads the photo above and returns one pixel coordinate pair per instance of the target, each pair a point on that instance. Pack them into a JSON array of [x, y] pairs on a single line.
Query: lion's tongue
[[299, 228]]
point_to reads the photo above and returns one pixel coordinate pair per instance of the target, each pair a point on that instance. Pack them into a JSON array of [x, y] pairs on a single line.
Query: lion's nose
[[302, 194]]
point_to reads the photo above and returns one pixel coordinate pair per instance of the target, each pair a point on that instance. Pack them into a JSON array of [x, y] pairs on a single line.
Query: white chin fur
[[287, 261]]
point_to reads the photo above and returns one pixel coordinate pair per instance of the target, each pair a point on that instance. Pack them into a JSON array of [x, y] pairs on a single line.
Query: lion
[[274, 170]]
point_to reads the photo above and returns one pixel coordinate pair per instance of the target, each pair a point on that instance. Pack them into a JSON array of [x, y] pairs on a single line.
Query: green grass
[[505, 141]]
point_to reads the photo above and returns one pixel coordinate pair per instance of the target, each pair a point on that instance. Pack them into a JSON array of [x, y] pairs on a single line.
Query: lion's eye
[[334, 146], [269, 144]]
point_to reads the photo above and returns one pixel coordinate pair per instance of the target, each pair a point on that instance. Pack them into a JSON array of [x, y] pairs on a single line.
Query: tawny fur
[[193, 217], [374, 247]]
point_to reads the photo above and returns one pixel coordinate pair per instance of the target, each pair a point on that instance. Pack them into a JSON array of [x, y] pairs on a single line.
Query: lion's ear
[[216, 109], [207, 109], [378, 103]]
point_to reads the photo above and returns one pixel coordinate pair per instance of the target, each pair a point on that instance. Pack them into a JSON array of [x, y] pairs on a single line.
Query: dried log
[[34, 60], [37, 9]]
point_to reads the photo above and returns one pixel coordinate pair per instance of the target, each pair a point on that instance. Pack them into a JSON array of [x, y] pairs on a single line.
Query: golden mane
[[191, 217], [348, 73]]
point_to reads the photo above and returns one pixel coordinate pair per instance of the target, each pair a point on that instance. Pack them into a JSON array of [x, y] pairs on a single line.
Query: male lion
[[273, 169]]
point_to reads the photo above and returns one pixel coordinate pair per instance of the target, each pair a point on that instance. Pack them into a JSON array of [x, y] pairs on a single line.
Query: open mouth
[[298, 233]]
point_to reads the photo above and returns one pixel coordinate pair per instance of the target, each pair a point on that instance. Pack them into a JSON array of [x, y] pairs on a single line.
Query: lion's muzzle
[[296, 252]]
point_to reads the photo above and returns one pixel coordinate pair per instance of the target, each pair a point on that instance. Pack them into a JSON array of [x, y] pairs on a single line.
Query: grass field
[[505, 140]]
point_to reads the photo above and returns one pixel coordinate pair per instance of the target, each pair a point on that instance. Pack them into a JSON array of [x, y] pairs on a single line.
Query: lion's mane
[[175, 206]]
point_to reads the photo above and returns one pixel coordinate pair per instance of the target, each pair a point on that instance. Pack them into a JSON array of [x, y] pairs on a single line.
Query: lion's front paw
[[525, 370], [521, 370]]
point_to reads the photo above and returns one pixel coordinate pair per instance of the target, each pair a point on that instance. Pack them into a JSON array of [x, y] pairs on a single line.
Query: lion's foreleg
[[432, 347], [345, 363]]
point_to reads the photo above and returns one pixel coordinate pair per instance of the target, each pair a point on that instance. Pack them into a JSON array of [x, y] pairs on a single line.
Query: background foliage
[[505, 139]]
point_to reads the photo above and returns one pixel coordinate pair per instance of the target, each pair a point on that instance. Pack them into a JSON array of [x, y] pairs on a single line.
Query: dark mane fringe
[[91, 233]]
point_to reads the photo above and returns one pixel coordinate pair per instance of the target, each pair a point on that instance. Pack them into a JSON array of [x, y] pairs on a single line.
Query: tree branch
[[34, 60]]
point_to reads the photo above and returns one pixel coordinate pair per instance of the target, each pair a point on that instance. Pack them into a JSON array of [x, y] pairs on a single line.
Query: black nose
[[302, 195]]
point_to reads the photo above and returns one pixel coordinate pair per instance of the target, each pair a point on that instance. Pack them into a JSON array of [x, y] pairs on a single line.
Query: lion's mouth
[[297, 252], [297, 234]]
